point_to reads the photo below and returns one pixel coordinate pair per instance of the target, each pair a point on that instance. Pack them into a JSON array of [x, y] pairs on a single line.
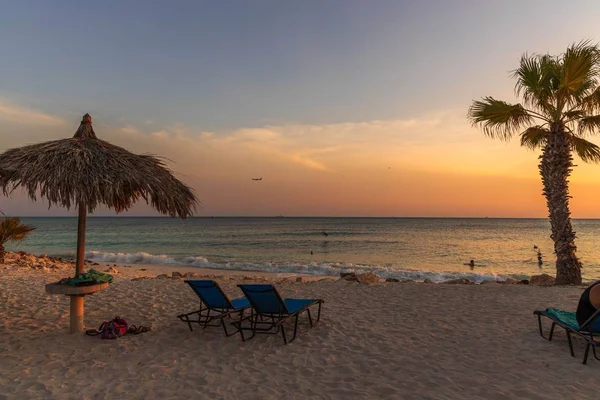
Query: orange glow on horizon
[[436, 166]]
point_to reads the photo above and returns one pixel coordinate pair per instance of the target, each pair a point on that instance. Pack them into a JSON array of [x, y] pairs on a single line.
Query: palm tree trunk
[[555, 167], [2, 253]]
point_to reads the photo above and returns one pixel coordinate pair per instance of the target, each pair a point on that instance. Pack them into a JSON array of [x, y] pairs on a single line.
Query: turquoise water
[[414, 248]]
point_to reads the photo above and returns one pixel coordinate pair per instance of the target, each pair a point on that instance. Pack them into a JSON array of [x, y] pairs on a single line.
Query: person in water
[[589, 303]]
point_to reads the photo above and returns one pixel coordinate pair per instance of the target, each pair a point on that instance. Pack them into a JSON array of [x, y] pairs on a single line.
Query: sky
[[343, 107]]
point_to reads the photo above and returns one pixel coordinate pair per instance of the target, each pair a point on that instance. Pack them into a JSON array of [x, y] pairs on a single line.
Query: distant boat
[[257, 179]]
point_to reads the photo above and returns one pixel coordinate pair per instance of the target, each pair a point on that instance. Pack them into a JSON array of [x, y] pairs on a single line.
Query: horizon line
[[291, 216]]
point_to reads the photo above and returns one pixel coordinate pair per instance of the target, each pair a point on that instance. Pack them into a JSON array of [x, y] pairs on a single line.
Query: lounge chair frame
[[583, 331], [204, 317], [272, 323]]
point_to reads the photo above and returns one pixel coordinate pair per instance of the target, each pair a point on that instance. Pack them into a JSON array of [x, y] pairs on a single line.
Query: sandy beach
[[389, 340]]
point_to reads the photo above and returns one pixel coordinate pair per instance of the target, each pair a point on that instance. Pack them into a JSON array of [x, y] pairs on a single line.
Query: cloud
[[439, 139], [20, 115], [130, 129], [308, 162]]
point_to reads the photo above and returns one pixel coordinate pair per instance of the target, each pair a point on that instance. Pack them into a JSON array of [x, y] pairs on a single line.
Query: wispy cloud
[[308, 162], [26, 116], [430, 140]]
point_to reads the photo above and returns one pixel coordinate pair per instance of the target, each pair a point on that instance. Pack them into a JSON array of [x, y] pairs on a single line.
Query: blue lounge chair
[[270, 311], [568, 321], [213, 301]]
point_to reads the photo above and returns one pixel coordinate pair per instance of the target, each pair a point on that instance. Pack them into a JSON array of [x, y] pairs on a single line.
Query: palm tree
[[12, 230], [561, 107]]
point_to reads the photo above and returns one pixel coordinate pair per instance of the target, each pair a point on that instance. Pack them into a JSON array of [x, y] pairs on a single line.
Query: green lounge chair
[[568, 321], [270, 311]]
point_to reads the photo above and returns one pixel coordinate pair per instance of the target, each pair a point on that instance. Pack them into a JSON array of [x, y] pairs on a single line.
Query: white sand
[[393, 340]]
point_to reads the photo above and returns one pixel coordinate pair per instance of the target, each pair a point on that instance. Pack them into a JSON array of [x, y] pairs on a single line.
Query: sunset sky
[[344, 108]]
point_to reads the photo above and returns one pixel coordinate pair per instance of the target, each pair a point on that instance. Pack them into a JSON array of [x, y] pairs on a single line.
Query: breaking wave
[[313, 268]]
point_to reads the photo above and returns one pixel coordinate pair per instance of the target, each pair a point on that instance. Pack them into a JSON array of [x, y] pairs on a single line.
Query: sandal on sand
[[96, 332], [136, 330]]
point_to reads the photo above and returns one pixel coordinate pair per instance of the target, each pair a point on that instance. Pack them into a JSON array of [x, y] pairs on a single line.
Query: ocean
[[414, 248]]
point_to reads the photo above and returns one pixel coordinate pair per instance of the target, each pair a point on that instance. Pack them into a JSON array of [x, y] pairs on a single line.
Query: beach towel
[[566, 317], [88, 278]]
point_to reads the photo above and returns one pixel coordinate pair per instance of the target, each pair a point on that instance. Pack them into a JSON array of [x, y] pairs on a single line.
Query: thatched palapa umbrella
[[85, 172]]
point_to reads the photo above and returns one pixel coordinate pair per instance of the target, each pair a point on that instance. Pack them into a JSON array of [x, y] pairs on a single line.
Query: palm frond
[[497, 118], [587, 151], [574, 115], [552, 70], [534, 137], [11, 229], [591, 102], [579, 72], [536, 77], [589, 125]]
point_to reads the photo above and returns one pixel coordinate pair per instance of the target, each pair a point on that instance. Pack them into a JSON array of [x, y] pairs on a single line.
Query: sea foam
[[312, 268], [143, 258]]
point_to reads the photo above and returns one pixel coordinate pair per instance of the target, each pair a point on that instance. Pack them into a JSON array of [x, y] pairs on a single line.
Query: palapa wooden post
[[80, 240], [76, 311]]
